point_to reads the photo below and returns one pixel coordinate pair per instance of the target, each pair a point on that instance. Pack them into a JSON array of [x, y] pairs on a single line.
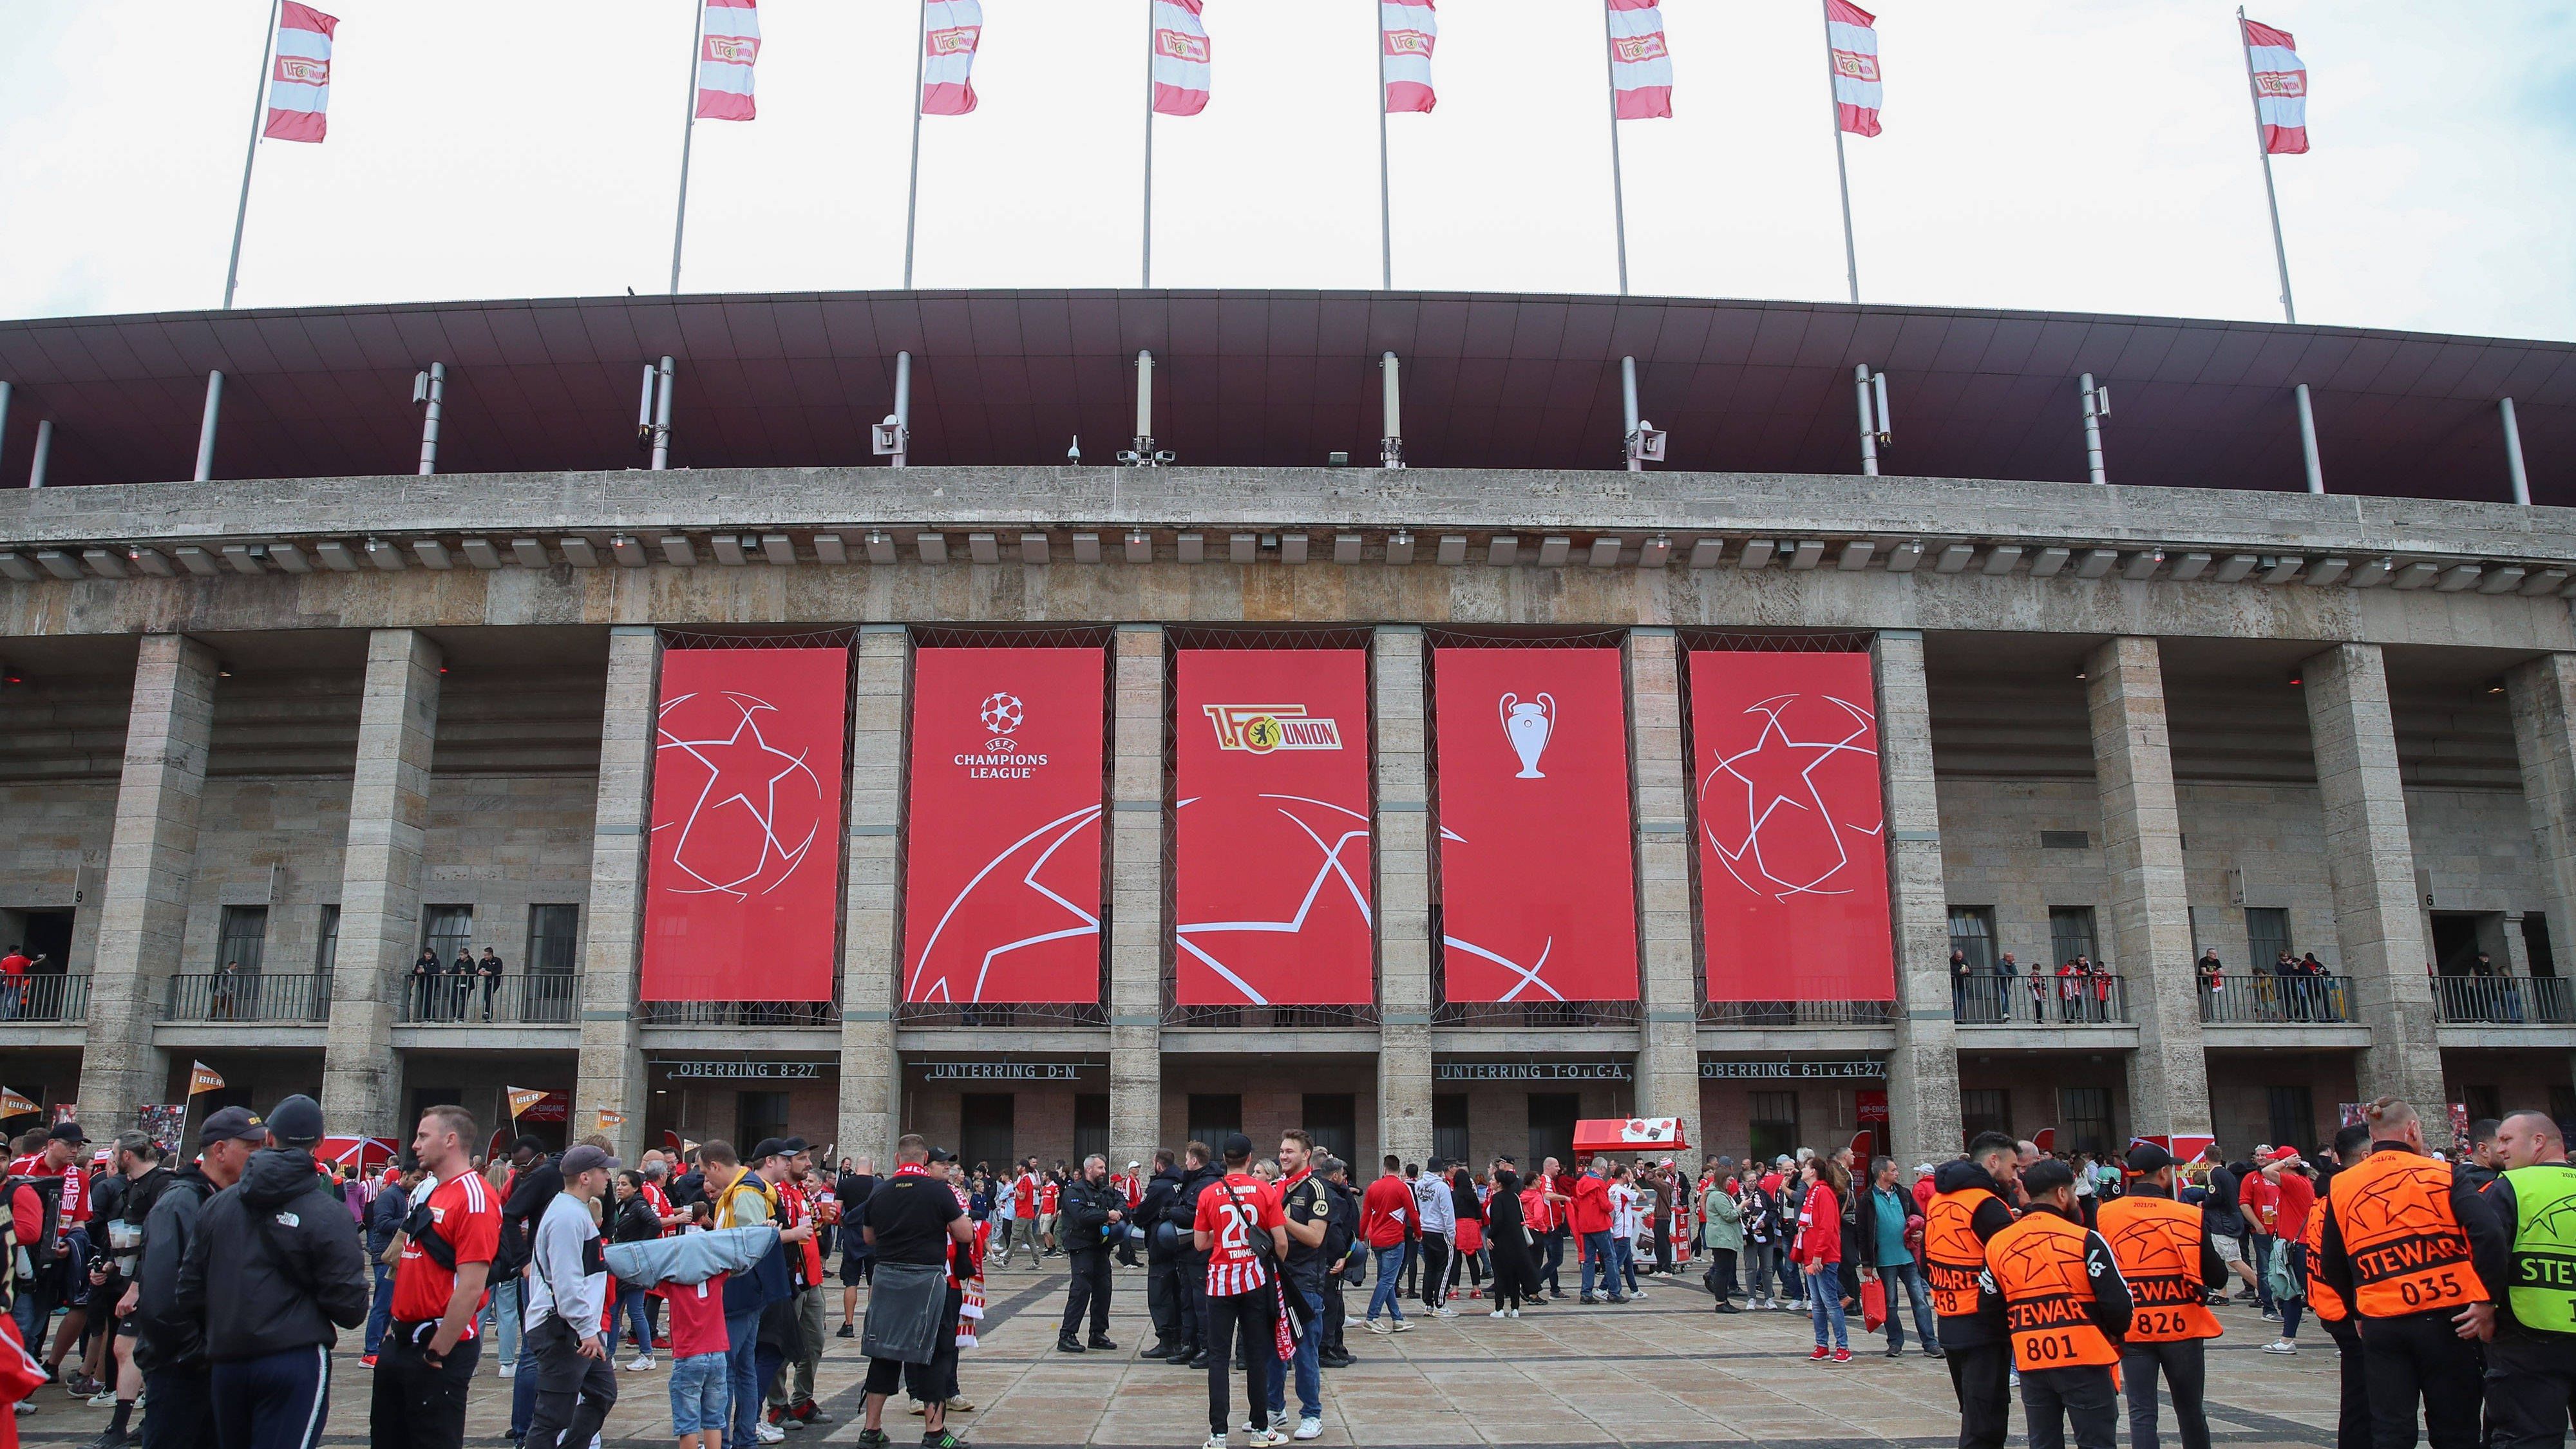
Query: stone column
[[1136, 895], [151, 856], [2370, 861], [2150, 905], [1400, 847], [1923, 1072], [2542, 695], [380, 882], [871, 940], [611, 1073], [1668, 989]]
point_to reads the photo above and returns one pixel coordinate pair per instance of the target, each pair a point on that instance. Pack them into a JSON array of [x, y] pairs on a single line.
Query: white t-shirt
[[1624, 1218]]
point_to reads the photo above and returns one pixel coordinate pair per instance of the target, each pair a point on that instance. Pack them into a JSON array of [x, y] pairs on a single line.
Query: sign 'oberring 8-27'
[[1261, 728]]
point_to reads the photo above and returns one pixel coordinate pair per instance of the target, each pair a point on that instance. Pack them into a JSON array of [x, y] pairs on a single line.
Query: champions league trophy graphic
[[1529, 727]]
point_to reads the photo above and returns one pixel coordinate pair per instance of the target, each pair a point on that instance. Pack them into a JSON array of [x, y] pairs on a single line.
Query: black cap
[[231, 1124], [790, 1146], [769, 1147], [68, 1132], [297, 1121], [1237, 1145], [2046, 1176], [2147, 1157], [942, 1154]]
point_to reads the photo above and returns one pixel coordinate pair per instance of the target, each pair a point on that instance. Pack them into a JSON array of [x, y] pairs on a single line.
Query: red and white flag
[[728, 46], [1408, 30], [2280, 89], [1180, 58], [299, 84], [1641, 64], [1852, 36], [951, 29]]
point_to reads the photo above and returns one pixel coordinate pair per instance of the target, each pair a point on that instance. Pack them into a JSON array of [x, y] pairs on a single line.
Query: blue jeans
[[1310, 1371], [1909, 1276], [275, 1399], [638, 1306], [1623, 1254], [381, 1312], [523, 1382], [1596, 1258], [701, 1394], [743, 1363], [1388, 1295], [501, 1320], [1825, 1305]]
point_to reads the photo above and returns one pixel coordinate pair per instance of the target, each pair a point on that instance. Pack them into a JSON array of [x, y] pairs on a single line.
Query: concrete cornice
[[1685, 506]]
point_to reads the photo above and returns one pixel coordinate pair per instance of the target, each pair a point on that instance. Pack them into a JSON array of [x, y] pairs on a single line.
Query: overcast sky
[[2085, 155]]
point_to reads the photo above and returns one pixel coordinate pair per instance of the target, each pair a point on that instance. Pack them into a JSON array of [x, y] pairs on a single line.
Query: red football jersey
[[467, 1214], [1234, 1226]]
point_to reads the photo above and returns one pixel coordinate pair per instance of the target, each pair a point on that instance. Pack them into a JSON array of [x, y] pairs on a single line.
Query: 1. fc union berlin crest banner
[[1270, 887], [742, 893], [1537, 860], [1792, 827], [1002, 873]]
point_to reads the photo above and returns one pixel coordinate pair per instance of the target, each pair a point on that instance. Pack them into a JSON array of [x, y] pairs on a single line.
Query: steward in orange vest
[[2066, 1308], [2166, 1255], [2401, 1242], [2352, 1423], [1968, 1209]]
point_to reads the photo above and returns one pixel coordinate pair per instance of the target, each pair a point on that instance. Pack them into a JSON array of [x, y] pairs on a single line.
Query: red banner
[[1271, 876], [1537, 857], [742, 897], [1002, 873], [1793, 855]]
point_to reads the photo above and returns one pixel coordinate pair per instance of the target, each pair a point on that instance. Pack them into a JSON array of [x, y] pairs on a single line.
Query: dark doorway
[[756, 1116], [1213, 1116], [1552, 1116], [1333, 1120], [2455, 945], [1449, 1126], [985, 1122], [1091, 1127], [2535, 944], [1773, 1129], [49, 936]]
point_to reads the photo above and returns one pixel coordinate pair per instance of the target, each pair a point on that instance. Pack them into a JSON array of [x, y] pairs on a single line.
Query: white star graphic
[[743, 770]]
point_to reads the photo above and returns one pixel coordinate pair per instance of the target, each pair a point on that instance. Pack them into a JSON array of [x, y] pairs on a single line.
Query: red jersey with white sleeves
[[1046, 1198], [1235, 1225], [1024, 1196], [660, 1201], [466, 1213]]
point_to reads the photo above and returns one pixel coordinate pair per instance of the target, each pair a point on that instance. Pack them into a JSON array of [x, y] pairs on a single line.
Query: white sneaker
[[1497, 1313], [1377, 1327], [103, 1399], [768, 1433], [642, 1362], [1402, 1325], [2280, 1345], [1309, 1429], [1266, 1438], [1637, 1293], [509, 1370], [1512, 1313], [1444, 1311], [1214, 1441]]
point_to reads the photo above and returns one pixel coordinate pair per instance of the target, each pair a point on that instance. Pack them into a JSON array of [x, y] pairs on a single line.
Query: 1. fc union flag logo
[[1261, 728]]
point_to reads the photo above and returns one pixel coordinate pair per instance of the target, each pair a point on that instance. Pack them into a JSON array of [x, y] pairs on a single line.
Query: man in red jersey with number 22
[[1244, 1233]]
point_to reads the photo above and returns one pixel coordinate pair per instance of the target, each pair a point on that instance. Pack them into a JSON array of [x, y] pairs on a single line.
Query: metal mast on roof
[[258, 111], [680, 222], [1618, 186], [912, 195]]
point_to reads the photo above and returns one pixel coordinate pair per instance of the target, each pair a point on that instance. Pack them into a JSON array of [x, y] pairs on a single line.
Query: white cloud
[[2089, 157]]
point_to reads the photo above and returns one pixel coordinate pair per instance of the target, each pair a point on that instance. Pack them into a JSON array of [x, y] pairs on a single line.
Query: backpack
[[47, 1248]]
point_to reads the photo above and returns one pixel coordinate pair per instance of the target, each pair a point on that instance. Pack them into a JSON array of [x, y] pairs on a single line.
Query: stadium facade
[[317, 709]]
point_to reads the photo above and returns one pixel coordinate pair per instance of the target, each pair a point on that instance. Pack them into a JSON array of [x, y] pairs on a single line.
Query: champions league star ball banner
[[742, 895], [1792, 827], [1270, 887], [1537, 857], [1002, 869]]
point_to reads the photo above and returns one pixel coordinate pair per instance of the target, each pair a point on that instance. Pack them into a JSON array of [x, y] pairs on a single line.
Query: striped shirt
[[1237, 1226]]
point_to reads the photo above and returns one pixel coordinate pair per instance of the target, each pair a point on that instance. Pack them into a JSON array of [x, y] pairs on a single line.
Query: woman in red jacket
[[1818, 1252]]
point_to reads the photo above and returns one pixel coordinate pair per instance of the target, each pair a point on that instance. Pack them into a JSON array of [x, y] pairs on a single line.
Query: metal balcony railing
[[542, 998], [248, 996], [738, 1013], [2094, 1000], [1536, 1015], [990, 1015], [1271, 1018], [2274, 1001], [45, 998], [1794, 1013], [2505, 1000]]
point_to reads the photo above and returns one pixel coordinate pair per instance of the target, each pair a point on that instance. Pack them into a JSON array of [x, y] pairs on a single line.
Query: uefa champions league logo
[[1001, 717]]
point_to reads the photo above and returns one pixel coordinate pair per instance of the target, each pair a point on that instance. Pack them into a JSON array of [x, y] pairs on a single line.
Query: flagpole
[[912, 197], [2271, 198], [258, 108], [688, 134], [1149, 144], [1842, 169], [1385, 193], [1618, 185]]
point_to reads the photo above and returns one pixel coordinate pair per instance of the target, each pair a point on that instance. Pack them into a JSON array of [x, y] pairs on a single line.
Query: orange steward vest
[[1952, 1254], [2157, 1242], [2408, 1252], [2038, 1265]]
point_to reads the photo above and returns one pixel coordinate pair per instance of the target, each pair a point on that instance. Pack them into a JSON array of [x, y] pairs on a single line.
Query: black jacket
[[290, 1267], [1343, 1228], [168, 1337], [1185, 1205], [1864, 1220], [1162, 1235], [385, 1218], [1082, 1214], [635, 1221]]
